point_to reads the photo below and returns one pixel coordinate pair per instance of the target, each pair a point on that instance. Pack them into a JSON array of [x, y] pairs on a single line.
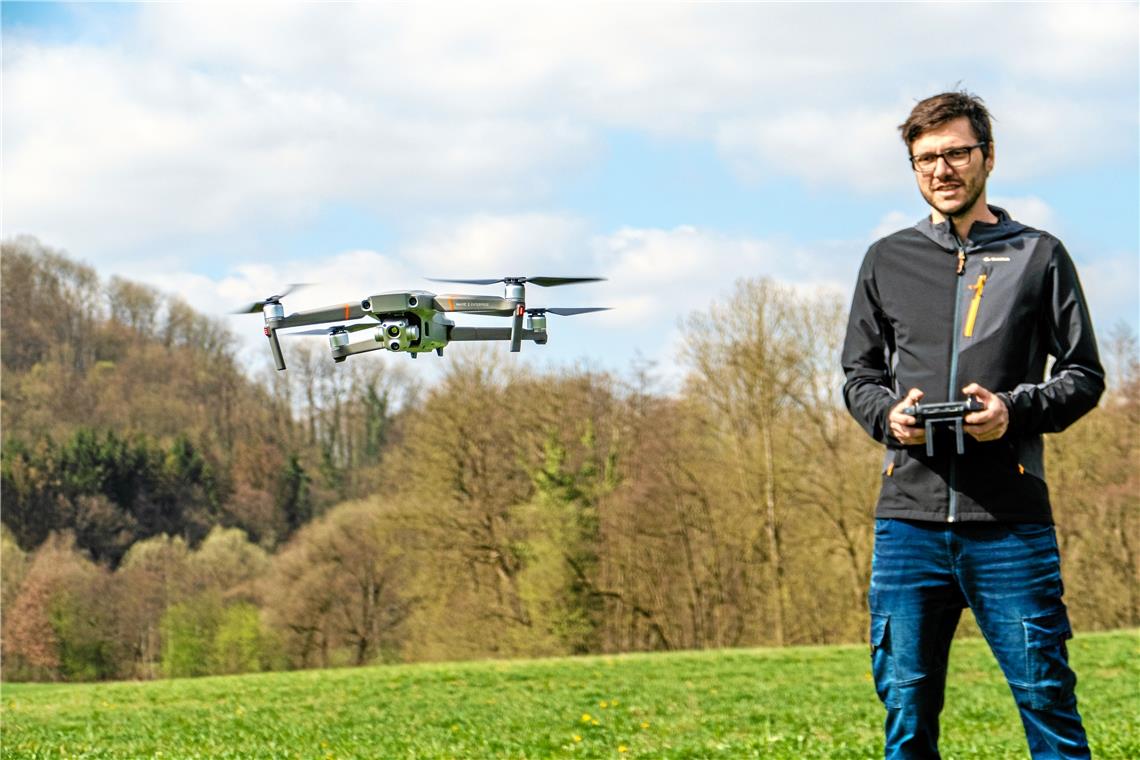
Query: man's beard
[[974, 190]]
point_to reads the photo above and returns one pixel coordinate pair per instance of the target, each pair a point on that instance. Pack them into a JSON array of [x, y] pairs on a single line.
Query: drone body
[[415, 321]]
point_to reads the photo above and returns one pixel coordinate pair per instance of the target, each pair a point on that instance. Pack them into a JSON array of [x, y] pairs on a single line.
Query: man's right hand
[[902, 425]]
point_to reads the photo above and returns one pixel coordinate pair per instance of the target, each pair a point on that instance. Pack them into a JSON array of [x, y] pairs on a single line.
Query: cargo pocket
[[882, 662], [1050, 680]]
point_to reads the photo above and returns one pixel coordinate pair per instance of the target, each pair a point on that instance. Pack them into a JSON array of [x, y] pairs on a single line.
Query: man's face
[[951, 190]]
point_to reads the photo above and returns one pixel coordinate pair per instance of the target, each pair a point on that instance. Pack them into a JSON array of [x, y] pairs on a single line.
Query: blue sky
[[220, 151]]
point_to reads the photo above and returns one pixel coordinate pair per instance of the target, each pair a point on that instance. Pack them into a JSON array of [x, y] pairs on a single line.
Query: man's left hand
[[991, 422]]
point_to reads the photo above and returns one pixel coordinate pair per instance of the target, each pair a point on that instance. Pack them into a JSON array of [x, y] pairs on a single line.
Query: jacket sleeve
[[867, 391], [1076, 379]]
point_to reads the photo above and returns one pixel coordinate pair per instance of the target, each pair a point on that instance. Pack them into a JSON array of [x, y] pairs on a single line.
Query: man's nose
[[942, 167]]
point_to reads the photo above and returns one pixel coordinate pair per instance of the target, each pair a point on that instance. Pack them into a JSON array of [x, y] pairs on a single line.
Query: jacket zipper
[[975, 302], [951, 393]]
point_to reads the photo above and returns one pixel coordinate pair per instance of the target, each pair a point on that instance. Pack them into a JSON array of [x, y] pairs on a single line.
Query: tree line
[[500, 512]]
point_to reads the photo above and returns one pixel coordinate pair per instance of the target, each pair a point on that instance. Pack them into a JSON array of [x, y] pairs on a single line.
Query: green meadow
[[810, 702]]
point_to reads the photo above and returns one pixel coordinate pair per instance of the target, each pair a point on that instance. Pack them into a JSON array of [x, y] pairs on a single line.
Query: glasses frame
[[969, 157]]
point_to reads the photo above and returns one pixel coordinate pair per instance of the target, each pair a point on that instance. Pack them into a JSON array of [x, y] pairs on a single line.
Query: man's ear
[[990, 158]]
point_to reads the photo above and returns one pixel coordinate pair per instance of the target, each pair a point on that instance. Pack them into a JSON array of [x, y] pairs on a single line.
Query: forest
[[166, 514]]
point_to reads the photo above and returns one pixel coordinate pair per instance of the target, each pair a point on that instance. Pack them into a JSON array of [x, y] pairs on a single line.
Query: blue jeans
[[922, 576]]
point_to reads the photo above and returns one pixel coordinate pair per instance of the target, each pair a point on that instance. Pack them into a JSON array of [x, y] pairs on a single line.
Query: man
[[968, 303]]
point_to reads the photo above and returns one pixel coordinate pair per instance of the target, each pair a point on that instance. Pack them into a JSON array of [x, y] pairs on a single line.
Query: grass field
[[790, 703]]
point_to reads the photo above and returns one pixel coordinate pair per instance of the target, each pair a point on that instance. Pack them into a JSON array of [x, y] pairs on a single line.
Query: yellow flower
[[577, 738], [602, 704], [586, 717], [645, 724], [594, 721], [623, 748]]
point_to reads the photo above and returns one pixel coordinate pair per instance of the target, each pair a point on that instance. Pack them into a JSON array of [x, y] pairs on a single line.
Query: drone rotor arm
[[339, 313], [460, 333], [326, 331], [483, 305]]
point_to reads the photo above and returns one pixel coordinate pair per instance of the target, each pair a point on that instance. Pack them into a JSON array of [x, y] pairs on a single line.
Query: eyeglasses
[[956, 157]]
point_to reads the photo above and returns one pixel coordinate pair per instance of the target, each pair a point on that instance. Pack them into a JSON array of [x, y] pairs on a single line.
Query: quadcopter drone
[[414, 321]]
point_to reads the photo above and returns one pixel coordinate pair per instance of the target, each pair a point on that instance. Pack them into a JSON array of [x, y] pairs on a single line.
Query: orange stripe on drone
[[347, 311]]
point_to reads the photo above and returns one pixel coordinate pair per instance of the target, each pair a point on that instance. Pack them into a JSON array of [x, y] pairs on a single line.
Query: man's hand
[[990, 423], [902, 425]]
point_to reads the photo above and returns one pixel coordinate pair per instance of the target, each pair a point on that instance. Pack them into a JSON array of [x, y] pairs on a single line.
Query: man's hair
[[947, 106]]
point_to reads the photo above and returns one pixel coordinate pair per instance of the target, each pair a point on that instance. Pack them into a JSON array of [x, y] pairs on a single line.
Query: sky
[[221, 151]]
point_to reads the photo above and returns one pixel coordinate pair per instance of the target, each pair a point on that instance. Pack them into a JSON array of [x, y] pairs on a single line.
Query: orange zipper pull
[[961, 261], [977, 287]]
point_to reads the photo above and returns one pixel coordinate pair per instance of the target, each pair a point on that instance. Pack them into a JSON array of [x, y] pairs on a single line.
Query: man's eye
[[956, 154], [926, 158]]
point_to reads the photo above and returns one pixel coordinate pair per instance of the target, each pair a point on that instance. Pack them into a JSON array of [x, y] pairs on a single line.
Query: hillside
[[164, 516], [126, 415]]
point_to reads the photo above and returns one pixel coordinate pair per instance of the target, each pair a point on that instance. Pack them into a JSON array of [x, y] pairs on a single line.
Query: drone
[[415, 321]]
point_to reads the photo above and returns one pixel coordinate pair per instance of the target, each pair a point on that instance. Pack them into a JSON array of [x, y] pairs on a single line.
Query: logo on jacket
[[995, 258]]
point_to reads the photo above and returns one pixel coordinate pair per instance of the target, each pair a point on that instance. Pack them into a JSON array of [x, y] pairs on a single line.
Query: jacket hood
[[981, 233]]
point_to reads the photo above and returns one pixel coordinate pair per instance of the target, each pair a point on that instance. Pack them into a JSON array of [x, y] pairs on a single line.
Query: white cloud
[[1030, 210], [1086, 41], [892, 222], [1112, 288], [486, 245], [198, 121], [857, 148]]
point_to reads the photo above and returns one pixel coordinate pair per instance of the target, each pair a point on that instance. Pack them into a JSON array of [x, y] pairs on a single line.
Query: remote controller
[[948, 413]]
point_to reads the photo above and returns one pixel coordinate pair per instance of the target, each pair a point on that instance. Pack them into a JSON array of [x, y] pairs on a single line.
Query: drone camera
[[366, 305], [397, 334], [413, 302]]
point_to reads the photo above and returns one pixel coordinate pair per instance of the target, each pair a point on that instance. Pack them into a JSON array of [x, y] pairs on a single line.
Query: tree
[[59, 626], [241, 643], [188, 632], [152, 577], [337, 592], [294, 503]]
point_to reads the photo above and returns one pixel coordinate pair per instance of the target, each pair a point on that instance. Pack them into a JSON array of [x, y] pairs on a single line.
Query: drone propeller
[[333, 330], [257, 306], [542, 282], [566, 311]]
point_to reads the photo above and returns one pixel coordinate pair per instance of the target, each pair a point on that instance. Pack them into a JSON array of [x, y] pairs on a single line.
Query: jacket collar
[[981, 233]]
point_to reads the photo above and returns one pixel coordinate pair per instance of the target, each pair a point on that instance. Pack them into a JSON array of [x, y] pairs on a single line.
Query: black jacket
[[916, 322]]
